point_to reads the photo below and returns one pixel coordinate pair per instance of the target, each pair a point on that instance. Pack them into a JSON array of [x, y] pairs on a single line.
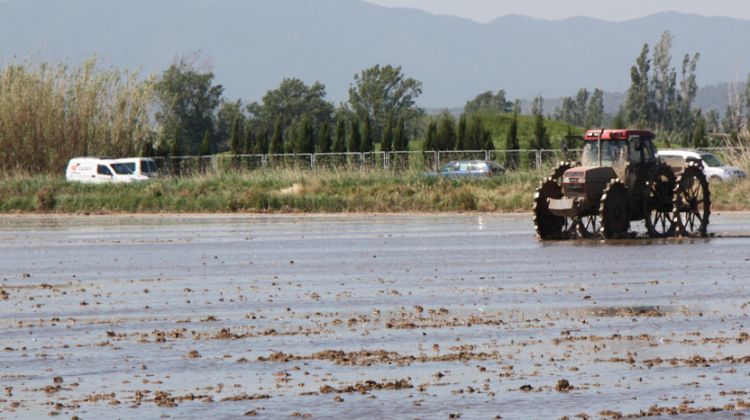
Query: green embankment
[[286, 191]]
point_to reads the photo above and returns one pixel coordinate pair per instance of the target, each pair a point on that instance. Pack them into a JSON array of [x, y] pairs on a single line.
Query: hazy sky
[[614, 10]]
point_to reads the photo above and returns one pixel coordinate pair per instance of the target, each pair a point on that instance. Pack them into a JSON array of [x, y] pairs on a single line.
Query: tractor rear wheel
[[614, 210], [657, 201], [692, 202], [546, 224]]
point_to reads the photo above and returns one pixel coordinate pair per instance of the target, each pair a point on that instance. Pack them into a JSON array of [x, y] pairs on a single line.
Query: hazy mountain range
[[252, 44]]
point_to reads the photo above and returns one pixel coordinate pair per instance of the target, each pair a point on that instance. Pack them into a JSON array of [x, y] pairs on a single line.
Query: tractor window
[[613, 154]]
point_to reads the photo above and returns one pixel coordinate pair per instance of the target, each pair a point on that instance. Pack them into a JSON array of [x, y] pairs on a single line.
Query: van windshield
[[130, 166], [121, 169]]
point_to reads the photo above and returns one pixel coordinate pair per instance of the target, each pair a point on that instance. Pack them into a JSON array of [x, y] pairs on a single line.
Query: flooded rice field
[[402, 316]]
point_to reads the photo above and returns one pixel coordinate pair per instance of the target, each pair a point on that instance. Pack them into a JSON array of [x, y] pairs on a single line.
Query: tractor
[[620, 179]]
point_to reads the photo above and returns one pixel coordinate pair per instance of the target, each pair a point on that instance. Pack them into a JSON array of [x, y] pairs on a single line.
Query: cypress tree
[[324, 138], [474, 133], [367, 144], [400, 142], [386, 145], [699, 132], [304, 136], [541, 140], [429, 143], [235, 136], [248, 145], [511, 143], [261, 142], [461, 139], [446, 133], [354, 137], [339, 143], [205, 144], [277, 142], [487, 142]]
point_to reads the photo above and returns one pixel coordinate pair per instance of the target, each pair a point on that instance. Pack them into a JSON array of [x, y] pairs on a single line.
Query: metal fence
[[396, 161]]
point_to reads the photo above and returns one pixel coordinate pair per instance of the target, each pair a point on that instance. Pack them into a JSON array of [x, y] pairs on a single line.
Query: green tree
[[446, 132], [235, 136], [304, 136], [386, 144], [474, 133], [228, 113], [430, 143], [367, 144], [205, 149], [663, 83], [699, 136], [461, 138], [293, 99], [619, 121], [277, 141], [511, 143], [339, 142], [540, 141], [581, 105], [487, 142], [638, 103], [490, 102], [324, 138], [188, 100], [595, 112], [249, 142], [355, 137], [262, 143], [400, 139], [379, 92]]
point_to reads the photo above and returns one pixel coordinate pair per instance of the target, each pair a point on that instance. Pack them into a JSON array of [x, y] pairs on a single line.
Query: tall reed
[[50, 113]]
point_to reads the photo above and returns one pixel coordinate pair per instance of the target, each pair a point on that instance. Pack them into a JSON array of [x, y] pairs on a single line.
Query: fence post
[[538, 158]]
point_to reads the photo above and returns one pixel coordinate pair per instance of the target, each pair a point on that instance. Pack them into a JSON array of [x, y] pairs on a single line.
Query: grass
[[297, 191], [272, 191]]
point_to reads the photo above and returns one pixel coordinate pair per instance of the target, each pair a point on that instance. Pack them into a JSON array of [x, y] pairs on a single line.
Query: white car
[[90, 170], [713, 168]]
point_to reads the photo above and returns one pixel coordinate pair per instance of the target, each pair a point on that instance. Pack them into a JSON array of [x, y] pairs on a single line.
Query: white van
[[140, 166], [99, 171]]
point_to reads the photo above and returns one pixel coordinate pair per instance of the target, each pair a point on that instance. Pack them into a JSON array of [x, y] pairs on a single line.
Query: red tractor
[[621, 179]]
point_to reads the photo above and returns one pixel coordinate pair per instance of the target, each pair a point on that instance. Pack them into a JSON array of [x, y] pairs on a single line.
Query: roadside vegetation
[[298, 191]]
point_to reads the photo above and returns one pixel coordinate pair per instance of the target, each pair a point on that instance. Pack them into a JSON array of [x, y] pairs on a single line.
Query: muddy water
[[367, 316]]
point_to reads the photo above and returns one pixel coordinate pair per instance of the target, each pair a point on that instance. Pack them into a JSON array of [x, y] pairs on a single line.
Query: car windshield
[[121, 169], [711, 160]]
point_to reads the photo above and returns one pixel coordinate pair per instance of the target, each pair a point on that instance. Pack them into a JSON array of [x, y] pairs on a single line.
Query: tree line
[[52, 112]]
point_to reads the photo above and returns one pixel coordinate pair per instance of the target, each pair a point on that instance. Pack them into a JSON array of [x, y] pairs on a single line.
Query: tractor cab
[[619, 148]]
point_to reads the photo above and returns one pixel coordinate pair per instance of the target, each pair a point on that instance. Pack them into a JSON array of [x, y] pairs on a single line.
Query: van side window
[[103, 170]]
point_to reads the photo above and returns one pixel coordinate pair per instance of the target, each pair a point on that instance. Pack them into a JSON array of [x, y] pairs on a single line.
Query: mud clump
[[563, 386], [367, 386]]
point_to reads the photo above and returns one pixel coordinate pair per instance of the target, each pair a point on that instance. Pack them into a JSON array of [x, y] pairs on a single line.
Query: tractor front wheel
[[546, 224], [614, 210]]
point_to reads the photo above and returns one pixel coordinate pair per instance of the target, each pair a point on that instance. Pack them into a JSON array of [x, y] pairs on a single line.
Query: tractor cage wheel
[[614, 210], [692, 202]]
